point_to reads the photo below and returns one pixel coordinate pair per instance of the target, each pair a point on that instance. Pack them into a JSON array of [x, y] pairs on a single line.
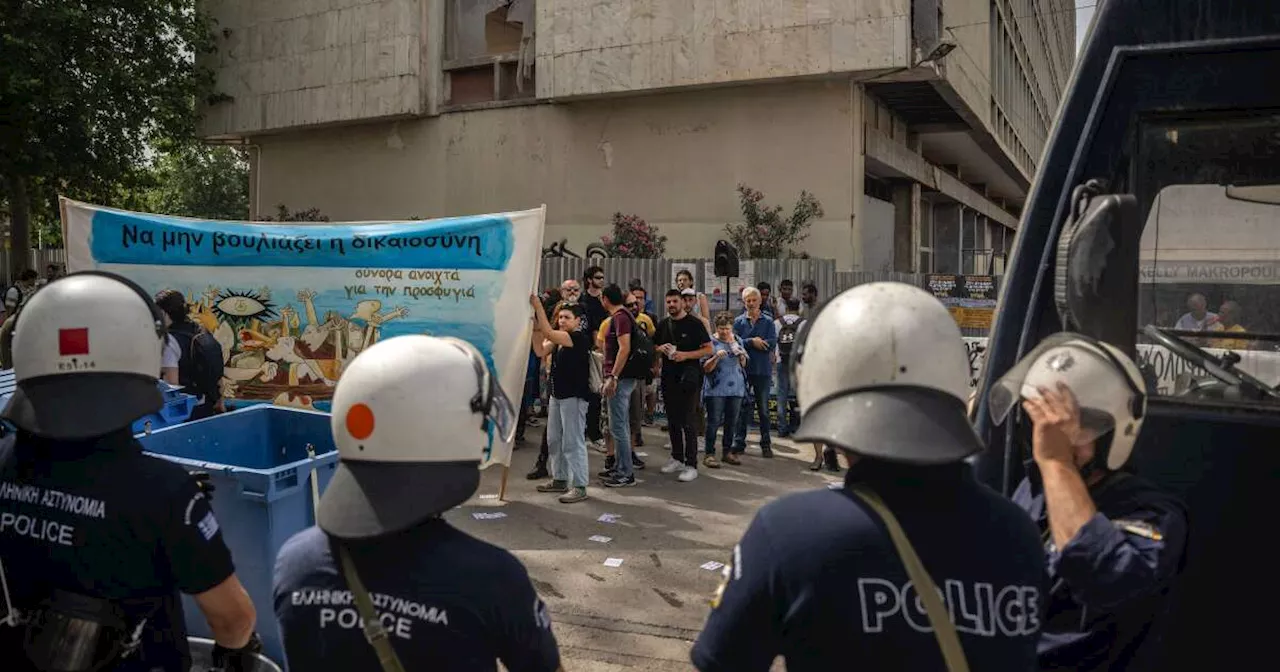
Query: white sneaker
[[688, 474], [597, 446], [672, 466]]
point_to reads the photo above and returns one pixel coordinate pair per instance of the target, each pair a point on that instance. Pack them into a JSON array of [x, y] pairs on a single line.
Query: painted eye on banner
[[233, 306]]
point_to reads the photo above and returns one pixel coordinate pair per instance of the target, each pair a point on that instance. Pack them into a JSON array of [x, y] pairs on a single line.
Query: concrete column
[[431, 38], [857, 123], [906, 225]]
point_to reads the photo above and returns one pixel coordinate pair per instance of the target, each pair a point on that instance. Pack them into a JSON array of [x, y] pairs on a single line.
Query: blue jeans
[[788, 415], [567, 441], [620, 425], [758, 396], [721, 412]]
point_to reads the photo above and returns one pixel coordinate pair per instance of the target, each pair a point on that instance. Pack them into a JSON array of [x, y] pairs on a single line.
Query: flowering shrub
[[764, 233], [633, 237]]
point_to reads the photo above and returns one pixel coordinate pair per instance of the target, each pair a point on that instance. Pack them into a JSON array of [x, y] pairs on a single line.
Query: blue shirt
[[759, 362], [817, 580], [727, 379], [447, 600], [1111, 579]]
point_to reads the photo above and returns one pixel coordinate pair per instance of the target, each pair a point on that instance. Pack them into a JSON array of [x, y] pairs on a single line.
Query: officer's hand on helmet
[[202, 481], [1056, 418], [243, 659]]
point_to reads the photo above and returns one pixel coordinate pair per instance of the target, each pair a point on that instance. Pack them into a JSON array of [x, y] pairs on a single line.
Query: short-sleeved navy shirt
[[447, 600], [104, 520], [816, 579]]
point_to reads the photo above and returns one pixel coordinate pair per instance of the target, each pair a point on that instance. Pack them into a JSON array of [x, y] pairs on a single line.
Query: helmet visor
[[1068, 359], [502, 413]]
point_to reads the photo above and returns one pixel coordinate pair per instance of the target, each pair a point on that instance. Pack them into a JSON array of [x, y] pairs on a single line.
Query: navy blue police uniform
[[79, 523], [448, 601], [1108, 583], [816, 578]]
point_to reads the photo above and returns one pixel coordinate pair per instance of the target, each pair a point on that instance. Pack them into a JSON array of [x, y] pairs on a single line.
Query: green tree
[[195, 180], [84, 88]]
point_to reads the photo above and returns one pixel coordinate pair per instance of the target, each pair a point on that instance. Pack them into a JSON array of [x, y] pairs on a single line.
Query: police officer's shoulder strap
[[939, 618], [373, 630]]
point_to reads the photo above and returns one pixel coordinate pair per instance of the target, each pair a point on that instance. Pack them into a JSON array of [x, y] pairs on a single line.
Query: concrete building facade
[[917, 123]]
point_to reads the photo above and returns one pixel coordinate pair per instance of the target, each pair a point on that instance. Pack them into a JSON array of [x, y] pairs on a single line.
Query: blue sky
[[1084, 14]]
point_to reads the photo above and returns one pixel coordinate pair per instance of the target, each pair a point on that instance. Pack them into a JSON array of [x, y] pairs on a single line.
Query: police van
[[1160, 181]]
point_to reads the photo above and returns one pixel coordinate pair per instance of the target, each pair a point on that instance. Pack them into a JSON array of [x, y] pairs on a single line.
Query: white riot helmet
[[413, 418], [1107, 384], [86, 356], [881, 371]]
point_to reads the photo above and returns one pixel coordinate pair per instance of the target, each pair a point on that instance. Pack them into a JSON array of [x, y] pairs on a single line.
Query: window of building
[[926, 238], [946, 238], [489, 51]]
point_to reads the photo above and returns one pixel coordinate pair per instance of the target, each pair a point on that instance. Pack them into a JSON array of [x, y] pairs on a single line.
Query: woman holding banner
[[570, 351]]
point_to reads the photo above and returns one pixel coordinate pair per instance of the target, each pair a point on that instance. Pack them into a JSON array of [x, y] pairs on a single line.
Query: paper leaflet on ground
[[292, 303]]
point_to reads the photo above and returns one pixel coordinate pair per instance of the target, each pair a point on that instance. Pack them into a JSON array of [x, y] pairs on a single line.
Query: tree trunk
[[19, 226]]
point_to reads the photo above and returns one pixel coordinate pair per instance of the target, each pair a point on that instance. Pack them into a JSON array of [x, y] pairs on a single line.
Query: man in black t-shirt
[[594, 316], [683, 341]]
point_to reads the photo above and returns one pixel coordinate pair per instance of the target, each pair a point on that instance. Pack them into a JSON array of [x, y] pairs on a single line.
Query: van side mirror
[[1096, 269]]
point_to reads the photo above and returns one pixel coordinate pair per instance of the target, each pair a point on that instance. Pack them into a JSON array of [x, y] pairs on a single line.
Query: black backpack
[[787, 336], [200, 367], [640, 360]]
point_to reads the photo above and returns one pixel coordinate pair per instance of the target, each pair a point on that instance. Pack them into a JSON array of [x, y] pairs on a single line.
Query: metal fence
[[39, 260], [657, 275]]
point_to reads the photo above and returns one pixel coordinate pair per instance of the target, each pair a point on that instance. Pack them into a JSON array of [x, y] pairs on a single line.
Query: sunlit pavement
[[645, 613]]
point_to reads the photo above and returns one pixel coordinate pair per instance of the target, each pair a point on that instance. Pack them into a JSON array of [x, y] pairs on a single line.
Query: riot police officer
[[831, 578], [1114, 541], [97, 539], [413, 416]]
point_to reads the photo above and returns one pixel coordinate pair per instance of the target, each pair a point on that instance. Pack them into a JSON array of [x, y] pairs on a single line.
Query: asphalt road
[[645, 613]]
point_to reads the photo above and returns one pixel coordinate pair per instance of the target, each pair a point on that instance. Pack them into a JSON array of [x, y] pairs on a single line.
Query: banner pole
[[502, 490]]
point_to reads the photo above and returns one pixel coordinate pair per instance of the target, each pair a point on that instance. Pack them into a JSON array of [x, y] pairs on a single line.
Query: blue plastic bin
[[176, 410], [257, 460]]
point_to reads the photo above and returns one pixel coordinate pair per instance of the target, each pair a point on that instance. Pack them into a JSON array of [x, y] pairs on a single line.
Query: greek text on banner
[[292, 304]]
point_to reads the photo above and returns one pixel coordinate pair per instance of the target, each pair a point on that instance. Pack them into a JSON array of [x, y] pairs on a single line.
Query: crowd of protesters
[[603, 363]]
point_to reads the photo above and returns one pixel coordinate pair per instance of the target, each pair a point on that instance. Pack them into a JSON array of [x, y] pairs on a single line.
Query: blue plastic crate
[[257, 460]]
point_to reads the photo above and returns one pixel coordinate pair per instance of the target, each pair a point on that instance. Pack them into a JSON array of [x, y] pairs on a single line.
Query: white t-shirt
[[171, 353]]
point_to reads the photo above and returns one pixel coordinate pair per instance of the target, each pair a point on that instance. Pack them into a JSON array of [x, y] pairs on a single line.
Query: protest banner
[[292, 303]]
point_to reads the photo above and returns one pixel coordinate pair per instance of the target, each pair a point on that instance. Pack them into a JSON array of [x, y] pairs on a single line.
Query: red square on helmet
[[73, 342]]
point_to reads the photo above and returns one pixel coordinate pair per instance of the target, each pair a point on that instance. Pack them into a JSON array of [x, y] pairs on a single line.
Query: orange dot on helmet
[[360, 422]]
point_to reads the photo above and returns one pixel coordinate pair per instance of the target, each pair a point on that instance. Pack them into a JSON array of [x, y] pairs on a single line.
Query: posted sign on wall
[[971, 299], [293, 303]]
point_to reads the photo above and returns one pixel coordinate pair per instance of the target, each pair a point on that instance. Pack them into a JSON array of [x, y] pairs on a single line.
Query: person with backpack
[[628, 358], [200, 363], [18, 293], [787, 325]]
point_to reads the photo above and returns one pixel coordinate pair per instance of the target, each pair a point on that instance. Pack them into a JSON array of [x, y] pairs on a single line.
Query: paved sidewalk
[[644, 614]]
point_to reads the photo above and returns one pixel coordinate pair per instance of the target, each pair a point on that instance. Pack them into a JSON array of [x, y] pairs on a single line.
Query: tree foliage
[[764, 233], [194, 180], [284, 214], [85, 87]]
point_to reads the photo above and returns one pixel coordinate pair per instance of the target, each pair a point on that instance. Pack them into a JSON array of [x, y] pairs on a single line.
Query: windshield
[[1210, 250]]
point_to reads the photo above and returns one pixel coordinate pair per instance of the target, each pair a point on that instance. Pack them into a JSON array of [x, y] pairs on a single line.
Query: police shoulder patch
[[724, 583], [1140, 528]]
